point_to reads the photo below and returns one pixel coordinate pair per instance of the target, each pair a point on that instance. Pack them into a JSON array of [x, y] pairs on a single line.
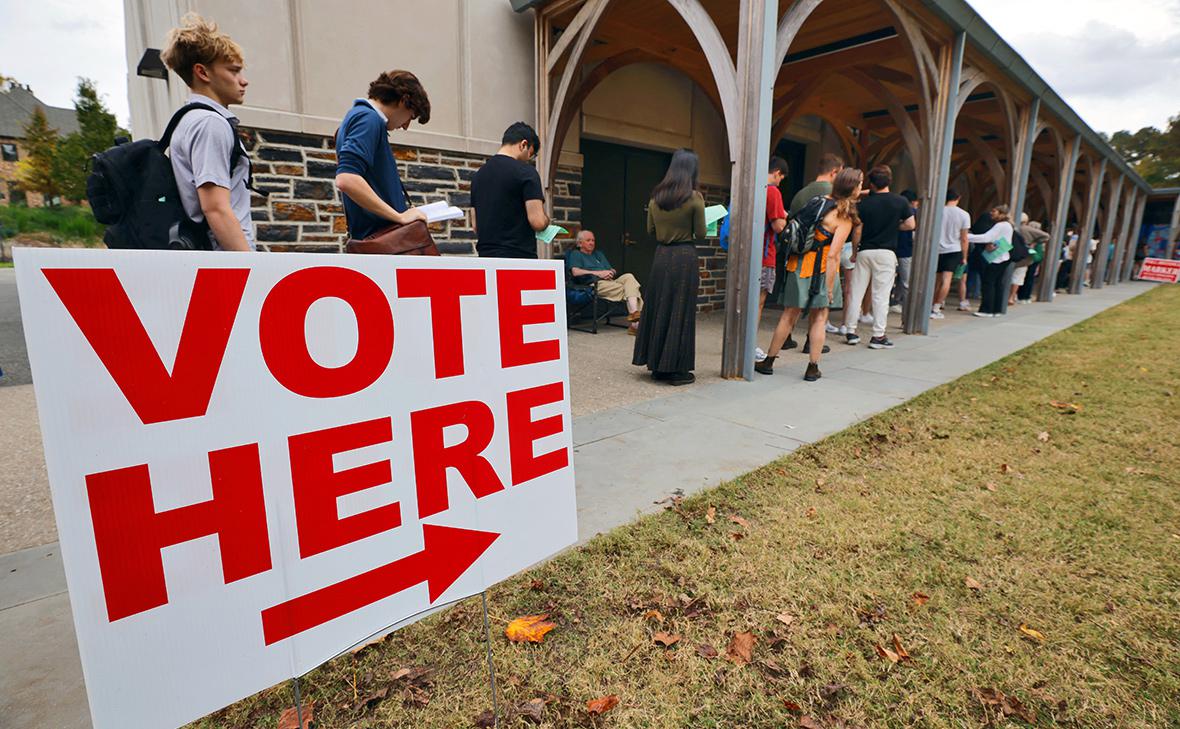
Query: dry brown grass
[[1076, 536]]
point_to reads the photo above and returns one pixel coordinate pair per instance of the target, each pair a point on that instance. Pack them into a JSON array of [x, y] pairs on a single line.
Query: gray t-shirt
[[200, 149], [954, 221]]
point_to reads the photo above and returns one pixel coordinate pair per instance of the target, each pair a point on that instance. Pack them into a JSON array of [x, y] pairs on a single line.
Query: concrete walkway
[[635, 442]]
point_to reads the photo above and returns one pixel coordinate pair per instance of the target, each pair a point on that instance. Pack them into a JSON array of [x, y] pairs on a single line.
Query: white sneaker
[[843, 330], [937, 315], [830, 329], [759, 355], [965, 305], [866, 318], [895, 309], [983, 315]]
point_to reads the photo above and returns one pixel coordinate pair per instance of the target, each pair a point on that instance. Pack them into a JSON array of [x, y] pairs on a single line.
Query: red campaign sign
[[273, 459], [1161, 270]]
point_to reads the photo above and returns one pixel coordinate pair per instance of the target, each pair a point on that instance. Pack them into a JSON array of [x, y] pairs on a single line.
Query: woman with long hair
[[666, 342], [993, 293], [812, 280]]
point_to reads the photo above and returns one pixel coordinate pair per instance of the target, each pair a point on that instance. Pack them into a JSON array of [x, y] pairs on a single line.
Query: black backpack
[[132, 190], [799, 235], [1019, 250]]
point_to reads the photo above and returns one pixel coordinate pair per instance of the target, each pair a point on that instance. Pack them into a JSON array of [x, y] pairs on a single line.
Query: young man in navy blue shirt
[[366, 170]]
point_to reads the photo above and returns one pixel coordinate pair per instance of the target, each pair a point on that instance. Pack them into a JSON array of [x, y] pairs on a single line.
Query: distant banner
[[1158, 269]]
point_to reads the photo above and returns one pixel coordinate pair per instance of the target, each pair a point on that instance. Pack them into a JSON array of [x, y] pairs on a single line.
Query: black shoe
[[851, 339], [681, 378], [661, 376], [880, 343], [812, 374], [790, 343], [807, 347], [766, 366]]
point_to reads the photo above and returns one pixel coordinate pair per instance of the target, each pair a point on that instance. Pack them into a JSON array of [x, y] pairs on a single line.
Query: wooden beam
[[1115, 272], [720, 62], [1101, 256], [1097, 173]]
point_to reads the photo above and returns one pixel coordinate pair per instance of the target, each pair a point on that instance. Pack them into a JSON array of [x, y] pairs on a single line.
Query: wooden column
[[1097, 175], [1102, 255], [1024, 148], [756, 71], [1069, 163], [1115, 271], [1136, 231], [938, 168]]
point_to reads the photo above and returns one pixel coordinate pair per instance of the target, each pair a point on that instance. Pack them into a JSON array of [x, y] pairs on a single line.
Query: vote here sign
[[259, 460]]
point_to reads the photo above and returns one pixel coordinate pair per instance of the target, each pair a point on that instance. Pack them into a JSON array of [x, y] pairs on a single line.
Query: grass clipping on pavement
[[1005, 548]]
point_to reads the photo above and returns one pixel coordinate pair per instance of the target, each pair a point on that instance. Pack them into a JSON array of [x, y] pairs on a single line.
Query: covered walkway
[[926, 87]]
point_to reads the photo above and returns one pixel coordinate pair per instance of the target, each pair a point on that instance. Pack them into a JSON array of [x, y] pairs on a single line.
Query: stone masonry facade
[[301, 210]]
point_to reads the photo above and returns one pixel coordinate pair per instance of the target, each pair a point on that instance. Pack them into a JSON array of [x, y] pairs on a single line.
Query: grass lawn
[[940, 529]]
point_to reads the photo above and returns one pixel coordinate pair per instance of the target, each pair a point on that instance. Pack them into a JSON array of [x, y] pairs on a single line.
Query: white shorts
[[1018, 275], [846, 257]]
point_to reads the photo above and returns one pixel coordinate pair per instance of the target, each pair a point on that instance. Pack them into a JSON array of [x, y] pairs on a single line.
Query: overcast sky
[[1116, 62]]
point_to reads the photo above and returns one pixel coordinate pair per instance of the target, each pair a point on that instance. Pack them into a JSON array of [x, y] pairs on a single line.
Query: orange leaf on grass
[[902, 653], [785, 618], [741, 648], [289, 719], [666, 639], [920, 599], [602, 705], [711, 515], [529, 629], [806, 722], [972, 584], [792, 706], [655, 615], [1034, 634], [739, 521], [886, 653]]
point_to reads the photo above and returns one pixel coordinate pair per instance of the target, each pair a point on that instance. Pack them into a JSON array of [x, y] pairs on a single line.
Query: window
[[8, 151]]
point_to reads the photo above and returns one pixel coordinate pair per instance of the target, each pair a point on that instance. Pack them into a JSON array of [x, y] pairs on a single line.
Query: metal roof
[[962, 17], [16, 108]]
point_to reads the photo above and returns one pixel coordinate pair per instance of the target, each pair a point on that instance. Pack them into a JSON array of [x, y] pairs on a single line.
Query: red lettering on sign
[[432, 457], [282, 329], [514, 315], [316, 486], [523, 431], [443, 287], [129, 533], [100, 307]]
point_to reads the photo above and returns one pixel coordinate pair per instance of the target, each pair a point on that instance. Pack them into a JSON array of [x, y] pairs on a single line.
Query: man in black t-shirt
[[508, 200], [882, 214]]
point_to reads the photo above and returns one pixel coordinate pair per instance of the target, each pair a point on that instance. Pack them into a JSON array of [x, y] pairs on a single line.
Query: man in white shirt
[[952, 248]]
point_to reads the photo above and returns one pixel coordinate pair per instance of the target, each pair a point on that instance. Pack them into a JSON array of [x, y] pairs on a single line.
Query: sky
[[1116, 62]]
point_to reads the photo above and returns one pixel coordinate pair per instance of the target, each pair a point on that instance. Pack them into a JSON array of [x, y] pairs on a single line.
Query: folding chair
[[582, 302]]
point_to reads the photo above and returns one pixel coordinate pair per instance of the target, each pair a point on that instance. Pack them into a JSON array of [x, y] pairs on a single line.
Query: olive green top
[[685, 224]]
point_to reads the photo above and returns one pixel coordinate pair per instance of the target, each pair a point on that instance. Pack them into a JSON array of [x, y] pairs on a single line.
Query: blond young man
[[202, 145]]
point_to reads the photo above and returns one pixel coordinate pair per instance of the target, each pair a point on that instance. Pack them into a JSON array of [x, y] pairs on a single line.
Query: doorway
[[617, 181]]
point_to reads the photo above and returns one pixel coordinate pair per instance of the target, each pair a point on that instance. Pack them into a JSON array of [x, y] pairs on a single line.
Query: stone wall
[[302, 209]]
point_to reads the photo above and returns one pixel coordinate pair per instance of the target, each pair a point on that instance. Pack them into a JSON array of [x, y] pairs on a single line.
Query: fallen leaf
[[666, 639], [920, 599], [486, 720], [289, 719], [654, 615], [792, 706], [741, 648], [1066, 408], [811, 512], [902, 654], [704, 650], [399, 674], [887, 654], [1005, 469], [737, 536], [711, 515], [529, 629], [831, 691], [1034, 634], [773, 668], [806, 722], [532, 710], [537, 585], [740, 521], [989, 486], [784, 618], [374, 698], [602, 705], [1043, 436], [972, 584]]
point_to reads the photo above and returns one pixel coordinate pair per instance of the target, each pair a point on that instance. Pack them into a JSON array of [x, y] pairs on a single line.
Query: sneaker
[[982, 314], [880, 343], [866, 318], [937, 315], [830, 329], [965, 305], [759, 355], [812, 374], [895, 309], [851, 338], [1024, 301]]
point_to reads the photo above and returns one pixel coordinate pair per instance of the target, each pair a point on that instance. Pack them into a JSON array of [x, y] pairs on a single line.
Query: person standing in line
[[975, 265], [883, 214], [666, 342], [952, 248], [507, 197], [992, 286], [829, 166], [776, 220], [812, 281], [1025, 270], [905, 257], [366, 170], [205, 140]]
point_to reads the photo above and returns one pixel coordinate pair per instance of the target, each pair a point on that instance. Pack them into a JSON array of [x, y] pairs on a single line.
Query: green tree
[[1154, 153], [97, 130], [39, 171]]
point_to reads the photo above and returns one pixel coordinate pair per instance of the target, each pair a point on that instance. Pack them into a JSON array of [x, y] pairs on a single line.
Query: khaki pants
[[619, 289], [874, 270]]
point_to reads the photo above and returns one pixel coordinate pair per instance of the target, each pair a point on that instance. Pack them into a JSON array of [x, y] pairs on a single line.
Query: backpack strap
[[235, 154]]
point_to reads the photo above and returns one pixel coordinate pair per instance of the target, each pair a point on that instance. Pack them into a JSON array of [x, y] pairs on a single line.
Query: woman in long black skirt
[[666, 342]]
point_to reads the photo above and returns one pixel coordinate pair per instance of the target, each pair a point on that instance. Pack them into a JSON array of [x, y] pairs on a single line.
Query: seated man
[[584, 264]]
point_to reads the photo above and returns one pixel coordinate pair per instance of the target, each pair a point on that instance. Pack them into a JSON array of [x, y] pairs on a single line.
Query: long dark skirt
[[667, 337]]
